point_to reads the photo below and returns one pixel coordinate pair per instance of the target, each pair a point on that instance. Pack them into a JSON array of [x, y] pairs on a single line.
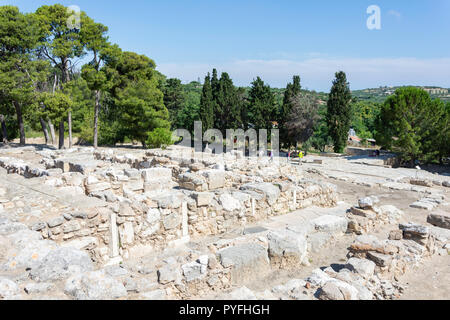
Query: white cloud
[[318, 73], [394, 13]]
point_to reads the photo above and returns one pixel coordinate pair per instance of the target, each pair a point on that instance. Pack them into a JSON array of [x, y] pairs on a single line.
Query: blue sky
[[277, 39]]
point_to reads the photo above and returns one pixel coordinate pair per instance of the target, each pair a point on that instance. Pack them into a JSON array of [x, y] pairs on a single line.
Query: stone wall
[[158, 198]]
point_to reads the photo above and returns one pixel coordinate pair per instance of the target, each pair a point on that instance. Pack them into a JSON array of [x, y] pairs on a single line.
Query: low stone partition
[[367, 215]]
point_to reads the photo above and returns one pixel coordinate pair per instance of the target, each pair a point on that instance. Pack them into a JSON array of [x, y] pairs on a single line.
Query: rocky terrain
[[126, 223]]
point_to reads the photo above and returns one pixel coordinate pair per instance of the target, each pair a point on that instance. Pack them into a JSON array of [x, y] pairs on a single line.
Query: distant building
[[436, 90], [352, 132], [354, 139]]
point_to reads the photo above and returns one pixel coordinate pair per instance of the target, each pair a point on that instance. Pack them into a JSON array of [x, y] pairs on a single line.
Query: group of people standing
[[296, 154]]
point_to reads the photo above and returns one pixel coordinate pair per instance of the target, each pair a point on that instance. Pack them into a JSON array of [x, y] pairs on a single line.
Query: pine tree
[[411, 123], [60, 45], [339, 112], [134, 87], [93, 37], [207, 105], [19, 70]]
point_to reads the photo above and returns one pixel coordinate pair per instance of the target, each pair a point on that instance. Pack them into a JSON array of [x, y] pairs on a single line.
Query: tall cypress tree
[[292, 90], [261, 106], [207, 105], [339, 112], [174, 98], [228, 104], [215, 91]]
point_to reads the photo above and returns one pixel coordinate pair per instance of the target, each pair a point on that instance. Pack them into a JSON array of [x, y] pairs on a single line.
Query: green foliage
[[142, 109], [174, 98], [339, 112], [82, 111], [444, 133], [411, 123], [261, 107], [12, 128], [228, 114], [303, 117], [363, 118], [95, 79], [58, 43], [159, 137], [292, 90], [207, 105], [138, 103], [321, 139], [123, 95], [18, 32], [57, 105], [20, 72], [190, 112]]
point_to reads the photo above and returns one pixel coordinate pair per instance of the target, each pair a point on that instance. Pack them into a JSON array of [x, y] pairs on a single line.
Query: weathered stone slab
[[421, 182], [246, 261], [365, 203], [368, 213], [81, 243], [215, 179], [363, 267], [203, 199], [329, 223], [270, 191], [287, 248], [229, 203], [60, 263], [381, 260], [168, 274], [171, 221], [338, 290], [95, 285], [157, 175], [194, 271], [441, 220], [101, 186], [192, 181], [422, 205]]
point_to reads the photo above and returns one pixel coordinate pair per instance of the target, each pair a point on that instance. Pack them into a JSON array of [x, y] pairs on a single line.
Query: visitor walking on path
[[300, 156]]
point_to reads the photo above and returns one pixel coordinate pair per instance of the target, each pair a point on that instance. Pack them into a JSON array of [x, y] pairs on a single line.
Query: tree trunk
[[4, 132], [20, 122], [69, 121], [61, 135], [96, 110], [44, 129], [52, 132]]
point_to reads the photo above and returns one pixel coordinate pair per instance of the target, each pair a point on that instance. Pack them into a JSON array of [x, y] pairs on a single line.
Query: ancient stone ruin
[[176, 224]]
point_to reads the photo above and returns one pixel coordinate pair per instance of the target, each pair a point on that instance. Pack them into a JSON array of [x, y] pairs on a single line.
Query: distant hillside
[[380, 94], [370, 95]]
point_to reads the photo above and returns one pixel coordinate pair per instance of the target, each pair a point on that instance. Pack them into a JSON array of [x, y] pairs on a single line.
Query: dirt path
[[430, 281]]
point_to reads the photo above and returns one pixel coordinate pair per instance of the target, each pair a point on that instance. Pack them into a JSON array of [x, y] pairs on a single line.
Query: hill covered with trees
[[118, 96]]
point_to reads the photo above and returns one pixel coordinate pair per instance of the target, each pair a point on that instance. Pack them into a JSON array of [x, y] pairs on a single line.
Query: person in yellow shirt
[[301, 155]]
